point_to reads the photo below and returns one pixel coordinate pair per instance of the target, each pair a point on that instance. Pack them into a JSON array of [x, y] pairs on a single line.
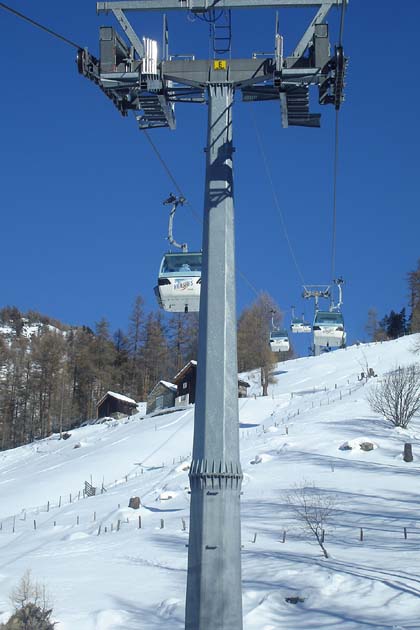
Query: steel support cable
[[334, 218], [194, 213], [335, 172], [155, 149], [40, 26], [275, 198]]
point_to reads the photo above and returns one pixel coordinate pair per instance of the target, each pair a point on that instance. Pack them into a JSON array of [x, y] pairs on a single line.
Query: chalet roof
[[169, 385], [118, 397], [243, 383], [185, 369]]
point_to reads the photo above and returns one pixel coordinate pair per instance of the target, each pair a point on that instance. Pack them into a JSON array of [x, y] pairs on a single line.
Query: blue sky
[[83, 226]]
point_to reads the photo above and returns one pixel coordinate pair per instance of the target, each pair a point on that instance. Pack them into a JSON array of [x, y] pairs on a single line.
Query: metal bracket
[[129, 31], [309, 33]]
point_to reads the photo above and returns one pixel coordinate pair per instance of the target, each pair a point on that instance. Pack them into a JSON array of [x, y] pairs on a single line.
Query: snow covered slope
[[104, 572]]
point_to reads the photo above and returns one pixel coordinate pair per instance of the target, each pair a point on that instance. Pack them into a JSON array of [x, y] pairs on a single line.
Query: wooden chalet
[[112, 403], [162, 396], [243, 388], [185, 382]]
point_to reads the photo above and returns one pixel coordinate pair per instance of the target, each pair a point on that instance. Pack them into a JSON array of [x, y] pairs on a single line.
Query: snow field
[[132, 578]]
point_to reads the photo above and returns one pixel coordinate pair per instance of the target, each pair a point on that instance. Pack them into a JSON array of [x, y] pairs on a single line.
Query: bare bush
[[397, 397], [313, 509], [32, 611]]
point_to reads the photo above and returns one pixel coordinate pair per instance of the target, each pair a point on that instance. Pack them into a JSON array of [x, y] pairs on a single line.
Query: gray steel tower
[[134, 79], [214, 566]]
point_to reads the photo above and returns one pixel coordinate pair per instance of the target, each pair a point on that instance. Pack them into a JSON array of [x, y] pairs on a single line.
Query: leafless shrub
[[313, 509], [416, 345], [397, 397], [32, 611]]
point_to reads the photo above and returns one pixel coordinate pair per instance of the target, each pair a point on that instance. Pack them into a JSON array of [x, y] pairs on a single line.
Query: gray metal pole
[[214, 595]]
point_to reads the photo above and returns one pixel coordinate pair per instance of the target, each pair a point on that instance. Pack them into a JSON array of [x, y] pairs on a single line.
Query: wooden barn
[[186, 380], [162, 396], [112, 403], [243, 388]]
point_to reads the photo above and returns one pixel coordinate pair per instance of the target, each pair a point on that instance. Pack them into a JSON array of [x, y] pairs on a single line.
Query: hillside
[[130, 578]]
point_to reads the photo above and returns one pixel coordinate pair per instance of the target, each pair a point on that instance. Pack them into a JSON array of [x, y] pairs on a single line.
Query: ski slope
[[103, 572]]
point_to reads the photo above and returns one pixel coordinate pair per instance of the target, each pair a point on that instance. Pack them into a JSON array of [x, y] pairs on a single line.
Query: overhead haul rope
[[194, 213], [276, 199], [153, 145], [40, 26], [335, 172]]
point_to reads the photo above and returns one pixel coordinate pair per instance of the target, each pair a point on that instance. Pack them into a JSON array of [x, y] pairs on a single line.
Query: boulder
[[134, 503], [367, 446]]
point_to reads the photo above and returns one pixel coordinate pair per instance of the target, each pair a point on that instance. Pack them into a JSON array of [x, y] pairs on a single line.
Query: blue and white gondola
[[179, 282], [328, 329]]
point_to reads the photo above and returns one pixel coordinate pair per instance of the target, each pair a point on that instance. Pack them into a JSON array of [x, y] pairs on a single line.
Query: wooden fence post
[[139, 522], [255, 537], [162, 523], [361, 534]]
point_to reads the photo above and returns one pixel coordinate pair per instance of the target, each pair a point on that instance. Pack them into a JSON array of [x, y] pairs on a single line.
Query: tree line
[[52, 380], [53, 375], [397, 323]]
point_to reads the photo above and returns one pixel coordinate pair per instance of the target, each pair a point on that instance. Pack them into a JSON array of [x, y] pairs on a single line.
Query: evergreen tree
[[81, 374], [47, 354], [414, 288], [394, 324], [135, 339], [155, 353], [183, 339], [103, 359], [122, 363]]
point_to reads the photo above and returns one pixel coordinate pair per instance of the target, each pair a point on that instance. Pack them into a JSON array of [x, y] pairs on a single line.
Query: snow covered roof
[[185, 368], [171, 386], [118, 396]]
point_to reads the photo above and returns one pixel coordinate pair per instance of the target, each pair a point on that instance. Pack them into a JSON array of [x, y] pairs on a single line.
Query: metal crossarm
[[203, 5]]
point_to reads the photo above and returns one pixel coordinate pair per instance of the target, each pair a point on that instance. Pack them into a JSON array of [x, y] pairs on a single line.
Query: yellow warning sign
[[219, 64]]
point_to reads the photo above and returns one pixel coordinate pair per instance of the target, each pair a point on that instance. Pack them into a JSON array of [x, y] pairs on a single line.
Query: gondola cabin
[[329, 330], [179, 282], [279, 341], [299, 325]]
